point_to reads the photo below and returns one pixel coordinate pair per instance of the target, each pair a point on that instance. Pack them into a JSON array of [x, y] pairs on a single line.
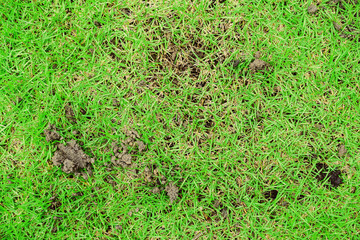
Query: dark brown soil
[[322, 173], [300, 197], [54, 203], [271, 194]]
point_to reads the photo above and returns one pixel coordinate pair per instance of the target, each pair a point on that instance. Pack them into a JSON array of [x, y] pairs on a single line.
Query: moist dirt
[[323, 173]]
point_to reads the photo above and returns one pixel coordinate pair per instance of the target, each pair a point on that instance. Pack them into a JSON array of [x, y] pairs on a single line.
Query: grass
[[228, 137]]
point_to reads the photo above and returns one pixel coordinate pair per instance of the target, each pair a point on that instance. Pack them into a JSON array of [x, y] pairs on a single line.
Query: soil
[[121, 155], [69, 113], [121, 159], [342, 150], [312, 9], [349, 32], [54, 230], [72, 158], [322, 173], [55, 203], [97, 24], [141, 146], [156, 190], [257, 55], [319, 126], [51, 133], [272, 194], [172, 191], [259, 65]]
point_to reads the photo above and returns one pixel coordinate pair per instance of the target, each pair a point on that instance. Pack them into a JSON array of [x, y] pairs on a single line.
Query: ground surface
[[179, 119]]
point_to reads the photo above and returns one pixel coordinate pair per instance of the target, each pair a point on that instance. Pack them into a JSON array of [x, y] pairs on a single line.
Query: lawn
[[179, 119]]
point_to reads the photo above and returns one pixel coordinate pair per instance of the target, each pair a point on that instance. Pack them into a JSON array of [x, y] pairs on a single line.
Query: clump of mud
[[312, 9], [259, 65], [342, 150], [272, 194], [70, 157], [51, 133], [122, 157], [333, 177], [172, 191]]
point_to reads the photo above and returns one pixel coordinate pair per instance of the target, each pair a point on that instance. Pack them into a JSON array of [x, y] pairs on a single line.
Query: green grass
[[220, 133]]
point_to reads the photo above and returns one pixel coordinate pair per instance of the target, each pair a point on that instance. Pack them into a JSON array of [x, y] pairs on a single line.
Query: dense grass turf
[[244, 147]]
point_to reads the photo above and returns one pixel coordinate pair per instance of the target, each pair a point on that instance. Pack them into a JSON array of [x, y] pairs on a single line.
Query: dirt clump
[[133, 139], [215, 2], [97, 24], [257, 55], [77, 194], [72, 158], [322, 172], [155, 190], [337, 26], [312, 9], [148, 175], [141, 146], [271, 194], [172, 191], [258, 65], [122, 157], [69, 112], [342, 150], [132, 135], [51, 133]]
